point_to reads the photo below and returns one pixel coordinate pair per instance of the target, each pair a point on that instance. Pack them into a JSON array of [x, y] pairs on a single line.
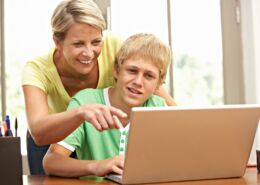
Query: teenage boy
[[140, 68]]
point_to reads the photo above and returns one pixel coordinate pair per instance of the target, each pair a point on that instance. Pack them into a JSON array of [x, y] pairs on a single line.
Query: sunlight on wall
[[27, 34], [197, 28], [133, 16]]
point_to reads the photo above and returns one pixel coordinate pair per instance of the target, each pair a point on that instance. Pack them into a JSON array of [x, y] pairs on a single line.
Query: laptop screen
[[188, 143]]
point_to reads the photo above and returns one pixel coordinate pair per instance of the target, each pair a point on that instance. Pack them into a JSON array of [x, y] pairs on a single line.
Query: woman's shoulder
[[43, 61], [109, 37], [108, 34], [40, 71]]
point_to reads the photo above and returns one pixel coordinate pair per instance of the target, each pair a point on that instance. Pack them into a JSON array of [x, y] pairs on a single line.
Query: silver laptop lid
[[188, 143]]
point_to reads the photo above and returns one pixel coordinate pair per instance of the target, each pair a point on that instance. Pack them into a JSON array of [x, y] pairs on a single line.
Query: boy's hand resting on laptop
[[111, 165]]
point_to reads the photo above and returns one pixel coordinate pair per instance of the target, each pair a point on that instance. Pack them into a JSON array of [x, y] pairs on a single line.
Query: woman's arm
[[48, 128], [164, 94], [57, 162]]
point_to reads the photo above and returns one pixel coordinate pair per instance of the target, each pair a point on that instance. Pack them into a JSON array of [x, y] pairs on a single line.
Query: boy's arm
[[57, 162], [164, 94]]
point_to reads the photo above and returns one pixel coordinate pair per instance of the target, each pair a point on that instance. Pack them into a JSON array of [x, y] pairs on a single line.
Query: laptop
[[188, 143]]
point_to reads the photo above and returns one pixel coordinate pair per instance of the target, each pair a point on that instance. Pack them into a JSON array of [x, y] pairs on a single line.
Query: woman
[[82, 58]]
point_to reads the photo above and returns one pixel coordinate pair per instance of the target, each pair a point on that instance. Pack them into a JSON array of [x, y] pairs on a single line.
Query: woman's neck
[[74, 82]]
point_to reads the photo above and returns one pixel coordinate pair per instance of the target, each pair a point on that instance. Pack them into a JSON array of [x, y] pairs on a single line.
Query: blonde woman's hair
[[146, 46], [75, 11]]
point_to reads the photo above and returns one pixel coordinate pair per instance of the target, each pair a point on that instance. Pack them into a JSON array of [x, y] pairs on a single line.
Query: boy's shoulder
[[155, 101], [89, 91], [89, 95]]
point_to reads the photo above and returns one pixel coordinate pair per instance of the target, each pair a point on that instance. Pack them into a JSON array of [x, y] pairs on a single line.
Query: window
[[198, 76], [197, 51], [127, 18], [196, 42], [27, 34]]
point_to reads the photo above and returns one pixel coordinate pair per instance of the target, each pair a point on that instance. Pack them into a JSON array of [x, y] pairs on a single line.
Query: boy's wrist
[[91, 167]]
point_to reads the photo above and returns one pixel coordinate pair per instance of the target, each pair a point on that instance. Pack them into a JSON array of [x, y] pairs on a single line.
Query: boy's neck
[[115, 101]]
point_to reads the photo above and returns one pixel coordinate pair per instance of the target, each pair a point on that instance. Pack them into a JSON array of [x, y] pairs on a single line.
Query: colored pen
[[4, 127], [16, 126], [1, 135], [8, 125]]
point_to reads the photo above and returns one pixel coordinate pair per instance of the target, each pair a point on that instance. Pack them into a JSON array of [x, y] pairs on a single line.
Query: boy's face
[[137, 79]]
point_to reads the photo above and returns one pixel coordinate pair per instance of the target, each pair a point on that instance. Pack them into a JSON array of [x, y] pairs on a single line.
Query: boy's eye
[[96, 42], [149, 76], [132, 71]]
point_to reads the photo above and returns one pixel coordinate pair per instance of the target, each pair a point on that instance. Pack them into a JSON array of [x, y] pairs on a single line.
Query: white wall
[[250, 16], [256, 15], [256, 35], [248, 41]]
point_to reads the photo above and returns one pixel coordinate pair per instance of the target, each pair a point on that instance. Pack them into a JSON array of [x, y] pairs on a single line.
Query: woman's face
[[80, 48]]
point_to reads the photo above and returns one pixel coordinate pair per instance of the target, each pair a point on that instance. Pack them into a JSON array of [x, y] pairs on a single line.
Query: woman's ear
[[116, 71], [56, 41]]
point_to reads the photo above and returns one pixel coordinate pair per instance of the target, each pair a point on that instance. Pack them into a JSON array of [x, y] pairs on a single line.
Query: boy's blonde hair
[[146, 46], [75, 11]]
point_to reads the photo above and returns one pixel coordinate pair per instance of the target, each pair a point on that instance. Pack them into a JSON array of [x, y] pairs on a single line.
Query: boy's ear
[[158, 86], [160, 83]]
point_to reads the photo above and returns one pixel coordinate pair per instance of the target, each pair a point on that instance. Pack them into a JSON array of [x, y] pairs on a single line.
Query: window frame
[[2, 64], [232, 52]]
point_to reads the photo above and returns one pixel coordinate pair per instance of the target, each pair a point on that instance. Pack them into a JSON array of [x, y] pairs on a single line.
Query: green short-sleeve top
[[89, 143]]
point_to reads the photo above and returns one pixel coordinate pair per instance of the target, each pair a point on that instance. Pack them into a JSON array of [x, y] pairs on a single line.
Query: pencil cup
[[258, 160], [10, 161]]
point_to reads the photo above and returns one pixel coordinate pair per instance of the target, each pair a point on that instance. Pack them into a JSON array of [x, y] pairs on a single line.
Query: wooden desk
[[250, 178]]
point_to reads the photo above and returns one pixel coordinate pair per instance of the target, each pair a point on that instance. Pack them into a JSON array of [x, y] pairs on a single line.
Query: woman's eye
[[78, 44]]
